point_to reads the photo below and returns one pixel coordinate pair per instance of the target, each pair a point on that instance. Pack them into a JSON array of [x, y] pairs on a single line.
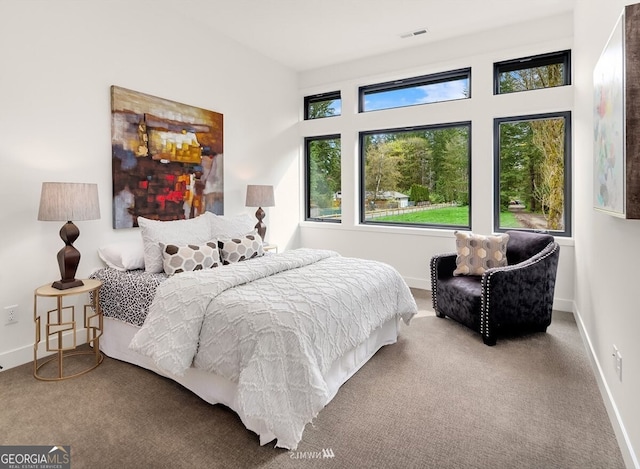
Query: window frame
[[317, 98], [413, 82], [362, 176], [532, 61], [307, 177], [567, 183]]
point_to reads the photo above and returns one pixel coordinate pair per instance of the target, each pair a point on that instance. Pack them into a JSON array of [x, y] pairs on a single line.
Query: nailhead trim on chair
[[434, 284], [486, 280], [434, 278]]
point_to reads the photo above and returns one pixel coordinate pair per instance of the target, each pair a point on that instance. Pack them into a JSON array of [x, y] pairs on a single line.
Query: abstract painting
[[167, 159], [609, 154], [616, 77]]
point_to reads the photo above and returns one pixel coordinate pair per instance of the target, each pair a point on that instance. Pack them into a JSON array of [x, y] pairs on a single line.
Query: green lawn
[[508, 220], [455, 216], [441, 216]]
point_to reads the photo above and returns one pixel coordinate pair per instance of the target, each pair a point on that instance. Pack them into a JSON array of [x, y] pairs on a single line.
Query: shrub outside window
[[417, 177], [322, 105], [531, 73], [323, 178], [532, 173], [446, 86]]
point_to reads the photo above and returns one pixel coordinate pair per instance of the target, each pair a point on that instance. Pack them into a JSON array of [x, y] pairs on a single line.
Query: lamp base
[[261, 228], [64, 284], [68, 258]]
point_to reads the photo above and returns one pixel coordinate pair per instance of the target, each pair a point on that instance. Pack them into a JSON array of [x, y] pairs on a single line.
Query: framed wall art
[[167, 159], [616, 77]]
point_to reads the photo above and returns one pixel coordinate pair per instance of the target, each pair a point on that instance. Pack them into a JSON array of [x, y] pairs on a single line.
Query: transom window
[[532, 173], [446, 86], [531, 73], [322, 105], [418, 176]]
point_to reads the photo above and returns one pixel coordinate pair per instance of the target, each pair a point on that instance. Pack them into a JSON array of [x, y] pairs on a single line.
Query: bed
[[272, 337]]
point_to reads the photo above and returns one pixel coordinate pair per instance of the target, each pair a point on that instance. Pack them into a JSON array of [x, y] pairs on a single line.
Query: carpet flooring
[[438, 398]]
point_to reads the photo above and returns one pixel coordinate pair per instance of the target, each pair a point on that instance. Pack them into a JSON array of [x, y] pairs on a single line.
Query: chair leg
[[489, 340]]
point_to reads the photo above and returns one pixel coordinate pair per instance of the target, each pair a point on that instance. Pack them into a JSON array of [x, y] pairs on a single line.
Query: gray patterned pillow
[[185, 258], [477, 253], [240, 248]]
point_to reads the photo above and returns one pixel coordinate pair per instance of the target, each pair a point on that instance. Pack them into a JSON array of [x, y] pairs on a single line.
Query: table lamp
[[260, 196], [66, 201]]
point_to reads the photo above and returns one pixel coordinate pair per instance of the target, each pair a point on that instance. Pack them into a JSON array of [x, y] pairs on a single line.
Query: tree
[[321, 109], [324, 171], [381, 172], [548, 136]]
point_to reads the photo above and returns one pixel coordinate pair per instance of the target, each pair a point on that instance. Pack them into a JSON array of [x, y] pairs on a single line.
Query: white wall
[[410, 249], [606, 295], [58, 61]]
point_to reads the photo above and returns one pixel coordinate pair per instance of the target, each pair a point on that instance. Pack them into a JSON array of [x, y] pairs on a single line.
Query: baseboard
[[20, 356], [420, 283], [626, 448], [561, 304]]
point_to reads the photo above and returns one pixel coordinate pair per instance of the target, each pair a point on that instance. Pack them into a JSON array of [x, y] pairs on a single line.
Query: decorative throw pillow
[[192, 231], [189, 257], [477, 253], [240, 248]]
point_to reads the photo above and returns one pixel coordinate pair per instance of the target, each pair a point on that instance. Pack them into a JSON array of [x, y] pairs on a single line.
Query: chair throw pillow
[[189, 257], [240, 248], [477, 253]]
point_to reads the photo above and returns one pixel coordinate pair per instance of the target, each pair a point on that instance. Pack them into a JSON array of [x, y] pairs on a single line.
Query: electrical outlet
[[617, 362], [10, 314]]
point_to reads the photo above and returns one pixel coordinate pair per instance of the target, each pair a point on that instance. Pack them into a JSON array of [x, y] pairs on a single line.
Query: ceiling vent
[[419, 32]]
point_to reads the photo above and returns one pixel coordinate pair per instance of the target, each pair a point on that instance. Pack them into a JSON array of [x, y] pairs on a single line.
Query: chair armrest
[[520, 293], [441, 266]]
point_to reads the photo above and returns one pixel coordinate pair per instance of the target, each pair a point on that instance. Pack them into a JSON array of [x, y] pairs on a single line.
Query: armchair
[[510, 299]]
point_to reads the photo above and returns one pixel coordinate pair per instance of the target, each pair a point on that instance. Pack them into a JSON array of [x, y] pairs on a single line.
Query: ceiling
[[308, 34]]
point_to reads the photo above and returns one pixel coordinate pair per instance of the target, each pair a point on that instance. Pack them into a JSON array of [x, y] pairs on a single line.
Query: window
[[418, 176], [447, 86], [323, 173], [532, 173], [322, 105], [531, 73]]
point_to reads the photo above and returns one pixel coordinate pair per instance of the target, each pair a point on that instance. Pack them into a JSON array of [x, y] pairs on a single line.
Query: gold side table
[[63, 319]]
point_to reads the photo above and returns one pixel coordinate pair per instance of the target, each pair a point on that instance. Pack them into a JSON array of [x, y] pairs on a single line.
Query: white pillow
[[232, 225], [123, 255], [192, 231]]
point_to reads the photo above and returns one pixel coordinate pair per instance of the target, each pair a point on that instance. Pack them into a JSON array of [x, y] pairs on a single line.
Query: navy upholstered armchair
[[511, 299]]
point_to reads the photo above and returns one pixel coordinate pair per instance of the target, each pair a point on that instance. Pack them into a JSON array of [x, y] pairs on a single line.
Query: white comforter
[[274, 326]]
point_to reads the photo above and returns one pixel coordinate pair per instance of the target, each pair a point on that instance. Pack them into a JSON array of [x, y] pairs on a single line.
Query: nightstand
[[61, 320], [270, 247]]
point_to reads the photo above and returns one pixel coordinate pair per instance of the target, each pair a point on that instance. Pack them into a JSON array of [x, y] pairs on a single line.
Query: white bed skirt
[[218, 390]]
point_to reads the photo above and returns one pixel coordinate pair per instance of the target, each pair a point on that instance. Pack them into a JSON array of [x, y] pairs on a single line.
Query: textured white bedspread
[[274, 326]]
